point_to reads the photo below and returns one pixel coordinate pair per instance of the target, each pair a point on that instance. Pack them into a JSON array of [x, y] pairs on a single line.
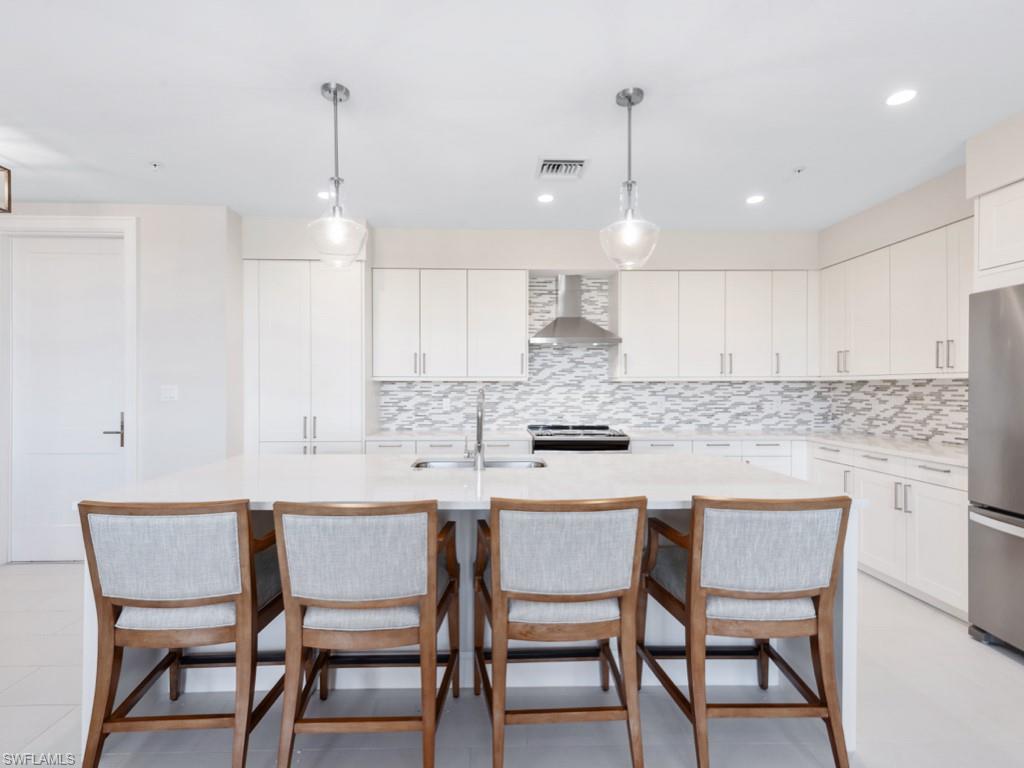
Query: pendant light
[[338, 239], [630, 241]]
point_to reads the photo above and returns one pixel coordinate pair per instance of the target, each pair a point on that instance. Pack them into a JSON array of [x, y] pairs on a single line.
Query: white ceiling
[[453, 103]]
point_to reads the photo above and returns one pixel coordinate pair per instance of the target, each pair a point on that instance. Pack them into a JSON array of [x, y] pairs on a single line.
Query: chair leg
[[478, 638], [499, 668], [630, 677], [174, 675], [453, 642], [108, 673], [762, 664], [641, 630], [603, 664], [293, 682], [823, 659], [696, 661], [245, 683], [325, 680], [428, 696]]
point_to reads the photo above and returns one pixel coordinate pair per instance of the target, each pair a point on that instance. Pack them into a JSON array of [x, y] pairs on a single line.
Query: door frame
[[124, 228]]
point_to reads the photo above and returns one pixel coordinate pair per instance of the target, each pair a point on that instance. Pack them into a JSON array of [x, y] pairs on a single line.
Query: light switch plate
[[168, 393]]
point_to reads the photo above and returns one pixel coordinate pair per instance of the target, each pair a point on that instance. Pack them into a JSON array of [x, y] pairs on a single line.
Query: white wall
[[539, 249], [189, 329], [995, 158], [928, 206]]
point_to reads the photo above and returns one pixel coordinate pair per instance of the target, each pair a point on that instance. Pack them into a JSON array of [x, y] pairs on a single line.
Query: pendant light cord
[[629, 143], [336, 180]]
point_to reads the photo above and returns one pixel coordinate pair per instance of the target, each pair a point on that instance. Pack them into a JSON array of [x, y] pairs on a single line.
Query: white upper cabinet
[[867, 307], [959, 284], [918, 311], [396, 323], [1001, 228], [702, 324], [443, 304], [789, 325], [284, 350], [649, 324], [450, 323], [748, 324], [834, 336], [498, 312], [336, 351]]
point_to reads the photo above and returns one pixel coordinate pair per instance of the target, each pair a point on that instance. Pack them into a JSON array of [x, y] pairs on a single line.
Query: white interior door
[[284, 350], [337, 352], [702, 324], [748, 323], [72, 386]]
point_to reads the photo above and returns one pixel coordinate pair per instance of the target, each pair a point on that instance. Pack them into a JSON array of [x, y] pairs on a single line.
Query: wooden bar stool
[[559, 571], [177, 576], [364, 577], [752, 569]]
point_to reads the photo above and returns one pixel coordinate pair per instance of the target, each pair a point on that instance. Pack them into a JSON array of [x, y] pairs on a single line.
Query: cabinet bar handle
[[874, 458], [830, 450], [416, 362], [389, 445], [730, 363], [498, 445], [424, 366], [906, 498], [522, 363], [767, 445], [935, 469], [662, 445], [717, 445], [314, 430], [938, 354], [625, 363], [839, 364], [119, 431], [846, 477], [305, 450], [950, 354], [896, 487], [305, 427], [721, 363], [314, 450], [778, 363], [442, 445], [846, 361]]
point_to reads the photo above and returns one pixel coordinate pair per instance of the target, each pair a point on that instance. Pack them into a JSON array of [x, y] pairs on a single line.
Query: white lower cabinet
[[322, 447], [937, 542], [781, 464], [661, 446], [391, 446], [507, 447], [441, 447], [834, 478], [883, 523], [281, 448]]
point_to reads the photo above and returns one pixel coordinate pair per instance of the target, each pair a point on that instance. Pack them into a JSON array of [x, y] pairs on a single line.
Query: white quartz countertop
[[669, 482], [510, 434]]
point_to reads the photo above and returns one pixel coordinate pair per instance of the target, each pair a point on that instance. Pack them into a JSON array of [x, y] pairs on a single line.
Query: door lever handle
[[119, 431]]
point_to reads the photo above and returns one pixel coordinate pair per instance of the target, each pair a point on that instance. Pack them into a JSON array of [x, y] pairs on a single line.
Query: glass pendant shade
[[629, 242], [337, 238]]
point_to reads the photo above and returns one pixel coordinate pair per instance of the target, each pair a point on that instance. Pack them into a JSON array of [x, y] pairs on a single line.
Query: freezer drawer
[[996, 572]]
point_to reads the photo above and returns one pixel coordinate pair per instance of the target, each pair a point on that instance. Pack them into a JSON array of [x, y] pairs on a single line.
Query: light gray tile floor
[[929, 697]]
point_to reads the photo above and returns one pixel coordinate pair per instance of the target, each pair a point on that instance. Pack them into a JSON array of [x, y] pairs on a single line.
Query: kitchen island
[[669, 483]]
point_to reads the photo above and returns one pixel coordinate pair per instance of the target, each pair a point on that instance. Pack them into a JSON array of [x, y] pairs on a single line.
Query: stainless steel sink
[[460, 463]]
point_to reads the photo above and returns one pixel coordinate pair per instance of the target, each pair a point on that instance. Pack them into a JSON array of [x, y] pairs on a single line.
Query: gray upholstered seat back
[[567, 553], [356, 557], [769, 551], [166, 557]]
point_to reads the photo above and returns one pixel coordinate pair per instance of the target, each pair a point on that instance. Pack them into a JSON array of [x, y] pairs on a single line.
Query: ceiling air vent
[[561, 169]]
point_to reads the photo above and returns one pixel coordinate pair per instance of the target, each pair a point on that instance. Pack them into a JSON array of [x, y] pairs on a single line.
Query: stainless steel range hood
[[569, 325]]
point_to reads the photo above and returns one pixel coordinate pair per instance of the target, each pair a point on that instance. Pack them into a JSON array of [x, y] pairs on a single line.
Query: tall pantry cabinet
[[304, 357]]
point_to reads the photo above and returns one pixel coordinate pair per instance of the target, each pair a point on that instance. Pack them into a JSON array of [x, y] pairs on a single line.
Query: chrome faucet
[[478, 450]]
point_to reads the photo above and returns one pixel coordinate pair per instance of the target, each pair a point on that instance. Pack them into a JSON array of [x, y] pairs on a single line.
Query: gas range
[[578, 438]]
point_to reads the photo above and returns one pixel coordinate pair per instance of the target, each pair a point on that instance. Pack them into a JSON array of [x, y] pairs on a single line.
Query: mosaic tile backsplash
[[571, 385]]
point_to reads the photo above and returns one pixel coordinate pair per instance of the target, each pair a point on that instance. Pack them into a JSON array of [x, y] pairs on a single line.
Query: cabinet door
[[883, 524], [284, 362], [337, 352], [781, 464], [918, 271], [1001, 227], [443, 322], [867, 307], [498, 316], [396, 323], [833, 319], [959, 282], [834, 478], [789, 324], [702, 324], [748, 323], [649, 325], [300, 448], [937, 542]]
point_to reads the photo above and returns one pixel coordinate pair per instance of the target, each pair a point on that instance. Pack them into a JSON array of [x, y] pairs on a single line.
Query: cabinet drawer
[[879, 462], [767, 448], [391, 446], [718, 447], [661, 446], [832, 453], [506, 447], [933, 472], [440, 447], [330, 446]]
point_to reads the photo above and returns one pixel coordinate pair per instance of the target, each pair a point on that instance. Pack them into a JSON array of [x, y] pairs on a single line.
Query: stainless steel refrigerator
[[996, 466]]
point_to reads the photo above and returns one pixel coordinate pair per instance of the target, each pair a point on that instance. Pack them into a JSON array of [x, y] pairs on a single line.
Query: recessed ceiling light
[[547, 197], [901, 97], [755, 199]]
